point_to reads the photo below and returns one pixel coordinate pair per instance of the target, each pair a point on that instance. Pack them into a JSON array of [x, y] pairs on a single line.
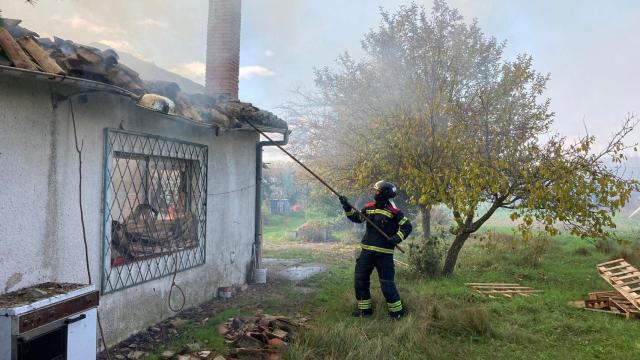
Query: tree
[[434, 107], [281, 181]]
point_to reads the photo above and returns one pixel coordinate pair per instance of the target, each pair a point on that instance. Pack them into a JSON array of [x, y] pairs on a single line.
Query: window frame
[[138, 146]]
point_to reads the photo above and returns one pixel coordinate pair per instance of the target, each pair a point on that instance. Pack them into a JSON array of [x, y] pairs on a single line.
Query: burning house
[[168, 180]]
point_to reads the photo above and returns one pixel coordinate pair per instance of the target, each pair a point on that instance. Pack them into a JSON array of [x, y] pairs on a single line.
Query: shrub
[[426, 256], [498, 242], [533, 249], [582, 251], [630, 252], [314, 231], [527, 251], [605, 246]]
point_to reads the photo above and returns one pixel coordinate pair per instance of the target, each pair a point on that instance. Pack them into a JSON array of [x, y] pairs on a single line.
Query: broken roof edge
[[96, 86]]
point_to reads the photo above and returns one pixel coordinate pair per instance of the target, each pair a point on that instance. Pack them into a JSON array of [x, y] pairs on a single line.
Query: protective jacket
[[387, 217]]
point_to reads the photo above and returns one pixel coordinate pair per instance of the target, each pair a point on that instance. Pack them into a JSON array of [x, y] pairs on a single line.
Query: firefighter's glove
[[345, 203], [395, 240]]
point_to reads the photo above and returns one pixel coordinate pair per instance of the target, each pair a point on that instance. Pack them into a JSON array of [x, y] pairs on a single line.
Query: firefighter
[[377, 250]]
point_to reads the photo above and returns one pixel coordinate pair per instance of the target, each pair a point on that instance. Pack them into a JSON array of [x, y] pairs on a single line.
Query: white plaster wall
[[40, 229]]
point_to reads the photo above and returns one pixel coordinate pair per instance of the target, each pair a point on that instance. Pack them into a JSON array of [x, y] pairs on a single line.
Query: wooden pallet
[[604, 300], [506, 290], [613, 311], [610, 302], [626, 307], [624, 278]]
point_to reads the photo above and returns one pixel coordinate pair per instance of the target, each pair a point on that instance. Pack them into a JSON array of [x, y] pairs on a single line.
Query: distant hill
[[150, 71]]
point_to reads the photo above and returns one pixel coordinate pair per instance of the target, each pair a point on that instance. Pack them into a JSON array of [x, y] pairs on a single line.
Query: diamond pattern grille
[[154, 207]]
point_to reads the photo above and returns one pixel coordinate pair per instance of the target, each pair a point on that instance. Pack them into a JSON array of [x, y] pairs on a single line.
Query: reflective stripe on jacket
[[390, 219]]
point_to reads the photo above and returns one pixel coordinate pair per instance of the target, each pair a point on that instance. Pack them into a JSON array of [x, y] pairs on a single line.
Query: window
[[155, 208]]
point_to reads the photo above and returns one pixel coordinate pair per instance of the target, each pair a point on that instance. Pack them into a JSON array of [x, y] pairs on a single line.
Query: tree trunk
[[425, 214], [452, 254]]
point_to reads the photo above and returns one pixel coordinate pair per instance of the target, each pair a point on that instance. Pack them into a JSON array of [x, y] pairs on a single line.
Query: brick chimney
[[223, 48]]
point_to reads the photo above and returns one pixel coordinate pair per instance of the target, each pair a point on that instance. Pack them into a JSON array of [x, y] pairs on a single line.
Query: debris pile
[[625, 300], [35, 293], [497, 289], [260, 337], [25, 49]]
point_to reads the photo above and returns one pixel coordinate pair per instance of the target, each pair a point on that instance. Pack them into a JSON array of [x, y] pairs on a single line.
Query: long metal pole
[[323, 183]]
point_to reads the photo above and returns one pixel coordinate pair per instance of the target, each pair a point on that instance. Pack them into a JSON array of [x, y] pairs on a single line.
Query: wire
[[84, 231], [176, 286], [233, 191]]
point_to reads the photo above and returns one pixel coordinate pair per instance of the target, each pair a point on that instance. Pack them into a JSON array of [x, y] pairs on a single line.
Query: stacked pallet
[[623, 277], [610, 302], [499, 289], [625, 300]]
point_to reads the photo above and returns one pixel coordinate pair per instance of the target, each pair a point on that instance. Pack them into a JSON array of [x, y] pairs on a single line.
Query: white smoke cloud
[[194, 70], [79, 23], [248, 72], [148, 22], [119, 45], [269, 53], [124, 46]]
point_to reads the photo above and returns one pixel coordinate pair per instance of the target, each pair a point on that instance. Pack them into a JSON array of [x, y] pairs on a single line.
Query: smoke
[[166, 32], [588, 47]]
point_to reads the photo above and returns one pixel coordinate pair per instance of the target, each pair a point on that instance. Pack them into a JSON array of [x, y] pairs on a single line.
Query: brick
[[223, 48]]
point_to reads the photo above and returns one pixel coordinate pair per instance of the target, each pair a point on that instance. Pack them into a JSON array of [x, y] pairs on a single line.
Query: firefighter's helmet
[[386, 190]]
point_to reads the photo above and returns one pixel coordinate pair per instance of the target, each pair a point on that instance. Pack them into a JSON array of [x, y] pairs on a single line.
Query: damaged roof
[[25, 51]]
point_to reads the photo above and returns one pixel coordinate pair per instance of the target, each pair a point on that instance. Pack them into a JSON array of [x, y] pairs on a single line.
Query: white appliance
[[57, 327]]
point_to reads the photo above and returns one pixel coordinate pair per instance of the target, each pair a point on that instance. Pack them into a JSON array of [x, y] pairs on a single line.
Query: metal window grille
[[154, 204]]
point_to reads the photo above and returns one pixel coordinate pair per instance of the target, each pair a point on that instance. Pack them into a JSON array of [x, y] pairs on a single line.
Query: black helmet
[[387, 190]]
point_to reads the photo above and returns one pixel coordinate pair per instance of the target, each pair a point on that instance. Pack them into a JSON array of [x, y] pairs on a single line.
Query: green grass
[[277, 228], [448, 321]]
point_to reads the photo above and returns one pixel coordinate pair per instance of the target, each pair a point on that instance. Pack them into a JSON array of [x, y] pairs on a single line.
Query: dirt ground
[[282, 276]]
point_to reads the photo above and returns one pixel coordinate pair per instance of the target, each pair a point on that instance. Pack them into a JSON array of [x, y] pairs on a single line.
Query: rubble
[[41, 58], [261, 337], [160, 339], [36, 292], [135, 355], [14, 52], [24, 49]]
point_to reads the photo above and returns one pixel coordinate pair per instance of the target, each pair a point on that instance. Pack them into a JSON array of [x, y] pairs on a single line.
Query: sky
[[591, 48]]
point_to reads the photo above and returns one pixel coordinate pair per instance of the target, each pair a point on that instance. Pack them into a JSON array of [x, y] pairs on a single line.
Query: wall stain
[[13, 281], [51, 216]]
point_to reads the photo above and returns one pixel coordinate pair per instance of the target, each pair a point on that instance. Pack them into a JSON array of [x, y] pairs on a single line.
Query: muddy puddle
[[293, 270]]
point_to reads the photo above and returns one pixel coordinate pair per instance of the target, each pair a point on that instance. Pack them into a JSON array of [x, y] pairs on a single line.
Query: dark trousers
[[383, 263]]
